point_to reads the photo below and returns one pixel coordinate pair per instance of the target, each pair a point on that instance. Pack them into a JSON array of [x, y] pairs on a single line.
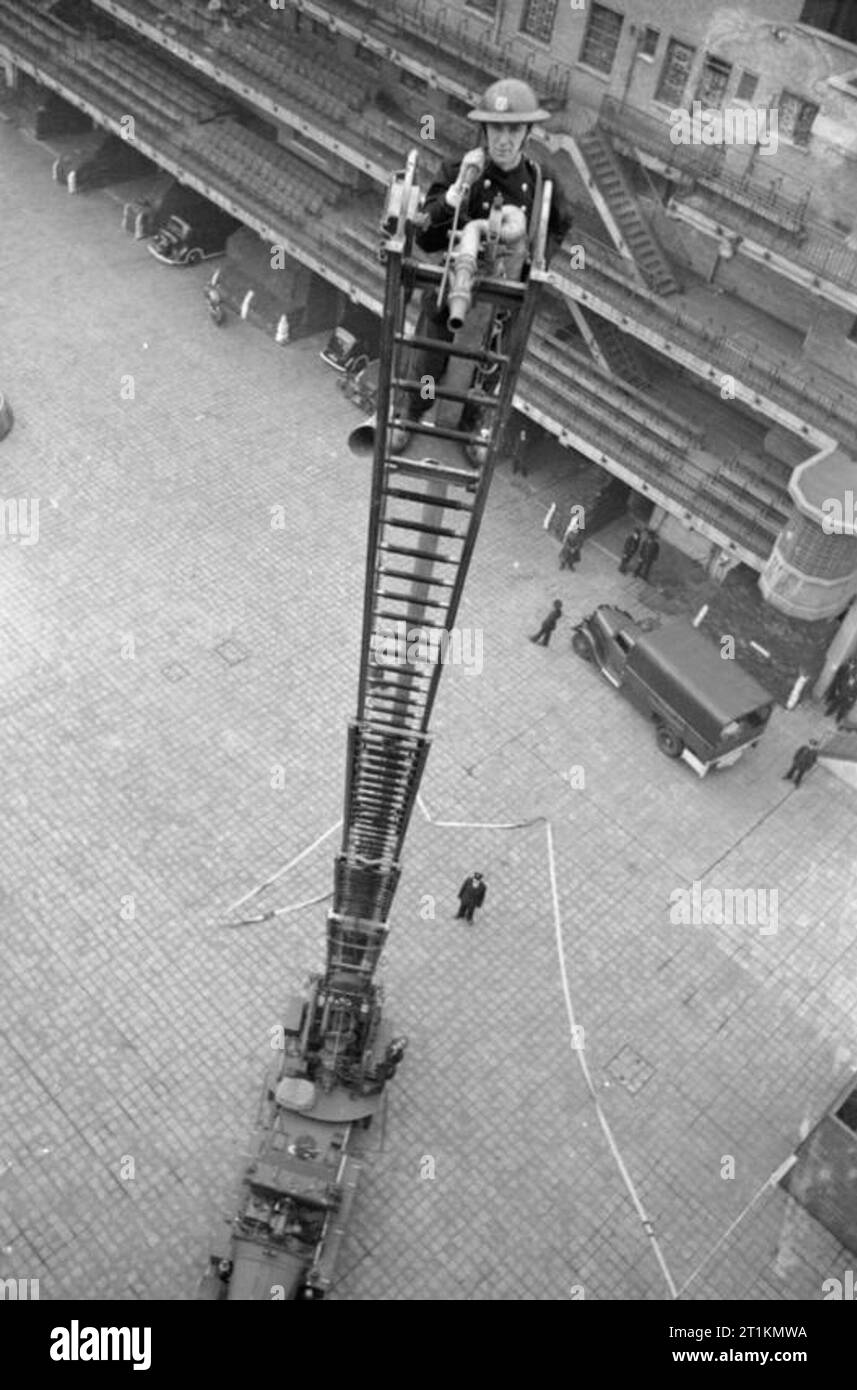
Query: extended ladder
[[424, 520]]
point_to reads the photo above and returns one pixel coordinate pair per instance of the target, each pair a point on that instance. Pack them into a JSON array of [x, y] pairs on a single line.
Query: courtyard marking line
[[602, 1118], [569, 1007], [771, 1182], [254, 892]]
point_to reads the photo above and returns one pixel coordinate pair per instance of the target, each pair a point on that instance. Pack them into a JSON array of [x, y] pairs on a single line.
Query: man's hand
[[471, 167]]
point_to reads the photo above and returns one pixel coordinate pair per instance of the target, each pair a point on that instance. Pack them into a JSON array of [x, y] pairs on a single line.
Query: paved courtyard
[[178, 663]]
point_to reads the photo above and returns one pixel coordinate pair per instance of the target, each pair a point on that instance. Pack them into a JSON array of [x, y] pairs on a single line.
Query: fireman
[[506, 114]]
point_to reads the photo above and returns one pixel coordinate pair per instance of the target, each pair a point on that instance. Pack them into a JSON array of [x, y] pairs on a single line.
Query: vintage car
[[704, 708], [191, 229]]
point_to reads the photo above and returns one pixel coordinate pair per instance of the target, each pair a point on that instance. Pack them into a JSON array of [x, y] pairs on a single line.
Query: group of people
[[642, 543], [646, 546]]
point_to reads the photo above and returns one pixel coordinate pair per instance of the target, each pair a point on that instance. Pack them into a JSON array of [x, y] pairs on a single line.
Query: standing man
[[543, 636], [804, 759], [471, 895], [519, 443], [630, 547], [497, 166], [649, 551], [569, 554]]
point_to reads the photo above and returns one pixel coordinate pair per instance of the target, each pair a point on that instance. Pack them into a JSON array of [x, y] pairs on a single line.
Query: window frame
[[804, 102], [581, 60], [525, 12], [672, 102]]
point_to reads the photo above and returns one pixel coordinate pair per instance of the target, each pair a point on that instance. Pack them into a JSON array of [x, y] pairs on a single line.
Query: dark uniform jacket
[[805, 758], [516, 186], [472, 892]]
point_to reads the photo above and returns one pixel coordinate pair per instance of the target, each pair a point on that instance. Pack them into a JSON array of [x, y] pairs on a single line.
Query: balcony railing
[[704, 164]]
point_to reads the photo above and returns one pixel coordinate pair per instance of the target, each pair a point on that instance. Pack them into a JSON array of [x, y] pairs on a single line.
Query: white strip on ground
[[285, 869], [602, 1119]]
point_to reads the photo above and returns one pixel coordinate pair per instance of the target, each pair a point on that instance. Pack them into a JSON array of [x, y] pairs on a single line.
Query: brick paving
[[139, 801]]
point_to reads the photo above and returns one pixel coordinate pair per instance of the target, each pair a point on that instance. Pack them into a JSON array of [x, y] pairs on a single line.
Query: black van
[[705, 709]]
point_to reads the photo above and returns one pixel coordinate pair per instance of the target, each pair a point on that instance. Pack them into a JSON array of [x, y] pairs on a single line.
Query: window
[[713, 81], [796, 117], [365, 55], [747, 84], [649, 42], [675, 72], [488, 7], [852, 332], [601, 38], [538, 19], [835, 16]]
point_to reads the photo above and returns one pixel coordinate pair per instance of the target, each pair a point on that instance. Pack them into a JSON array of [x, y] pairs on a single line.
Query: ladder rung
[[418, 555], [407, 574], [423, 529], [397, 618], [446, 393], [431, 469], [401, 682], [427, 500], [450, 349], [409, 598], [439, 431]]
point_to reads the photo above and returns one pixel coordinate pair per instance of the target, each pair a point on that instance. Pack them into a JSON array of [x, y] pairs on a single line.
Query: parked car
[[704, 708], [191, 228]]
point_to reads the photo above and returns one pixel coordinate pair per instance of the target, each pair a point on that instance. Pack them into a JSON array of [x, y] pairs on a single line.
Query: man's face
[[505, 143]]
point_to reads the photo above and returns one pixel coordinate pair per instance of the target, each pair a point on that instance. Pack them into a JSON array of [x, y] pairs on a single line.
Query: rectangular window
[[747, 84], [601, 39], [713, 81], [675, 72], [365, 55], [649, 42], [796, 117], [488, 7], [538, 19]]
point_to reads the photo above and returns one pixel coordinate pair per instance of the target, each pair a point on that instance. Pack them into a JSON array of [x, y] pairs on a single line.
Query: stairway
[[606, 174], [618, 350]]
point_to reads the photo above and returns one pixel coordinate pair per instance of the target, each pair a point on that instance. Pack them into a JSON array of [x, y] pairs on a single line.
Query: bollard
[[6, 417]]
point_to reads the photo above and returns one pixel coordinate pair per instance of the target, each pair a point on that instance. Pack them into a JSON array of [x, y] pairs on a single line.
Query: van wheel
[[194, 257], [668, 742], [580, 645]]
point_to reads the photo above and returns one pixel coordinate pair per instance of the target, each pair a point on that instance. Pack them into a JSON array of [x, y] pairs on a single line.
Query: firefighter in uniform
[[498, 165]]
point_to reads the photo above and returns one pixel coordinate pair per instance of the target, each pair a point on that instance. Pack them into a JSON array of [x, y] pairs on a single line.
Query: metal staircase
[[610, 182]]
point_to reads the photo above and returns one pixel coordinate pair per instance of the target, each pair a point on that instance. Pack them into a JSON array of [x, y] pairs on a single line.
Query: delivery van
[[704, 708]]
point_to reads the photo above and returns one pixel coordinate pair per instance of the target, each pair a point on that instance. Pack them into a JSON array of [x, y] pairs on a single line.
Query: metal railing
[[703, 163], [777, 379]]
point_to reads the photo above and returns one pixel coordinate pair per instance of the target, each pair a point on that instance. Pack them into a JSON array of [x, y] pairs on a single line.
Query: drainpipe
[[629, 75]]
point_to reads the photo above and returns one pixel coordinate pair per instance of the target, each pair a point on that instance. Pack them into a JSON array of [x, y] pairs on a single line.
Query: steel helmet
[[509, 102]]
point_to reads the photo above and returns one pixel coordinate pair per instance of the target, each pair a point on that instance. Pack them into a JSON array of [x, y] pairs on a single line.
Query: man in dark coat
[[630, 547], [471, 895], [543, 636], [845, 693], [569, 554], [804, 759], [498, 166], [650, 549]]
